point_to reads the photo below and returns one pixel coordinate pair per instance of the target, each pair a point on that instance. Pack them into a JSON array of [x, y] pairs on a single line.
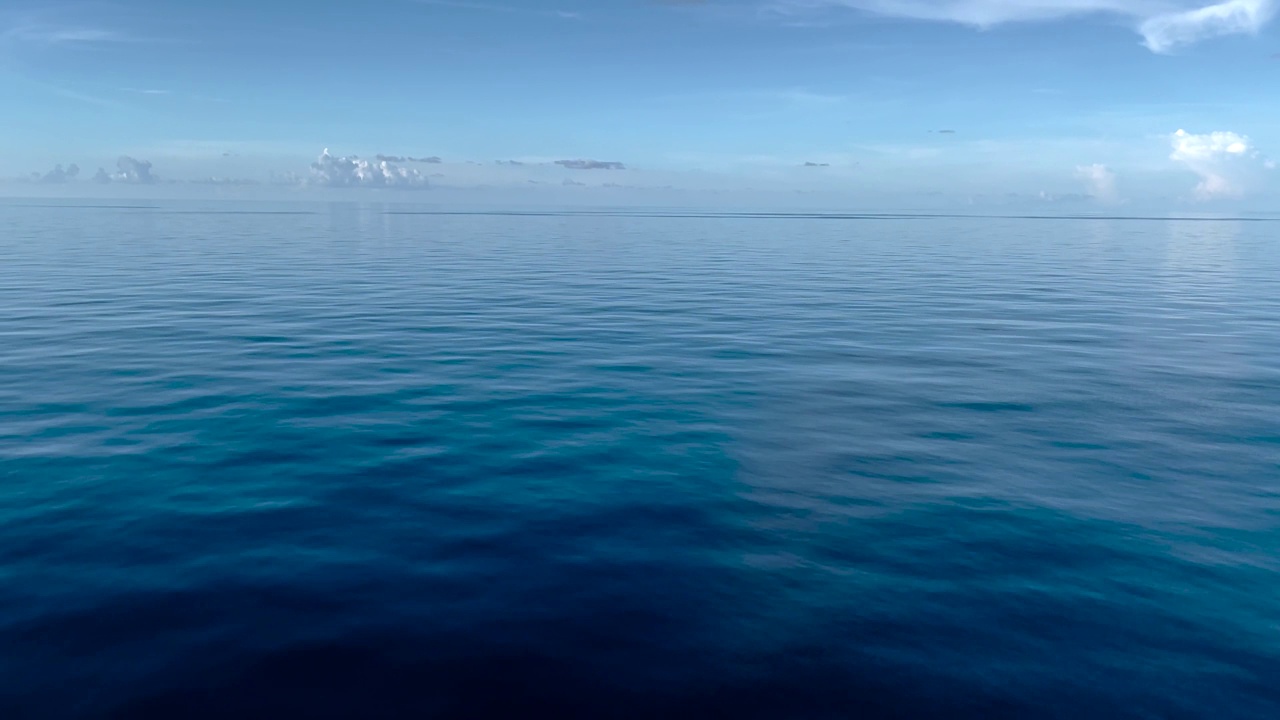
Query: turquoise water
[[371, 461]]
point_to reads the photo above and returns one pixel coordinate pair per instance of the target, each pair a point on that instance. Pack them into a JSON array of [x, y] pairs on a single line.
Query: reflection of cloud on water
[[1100, 245], [1197, 282], [1200, 263], [357, 221]]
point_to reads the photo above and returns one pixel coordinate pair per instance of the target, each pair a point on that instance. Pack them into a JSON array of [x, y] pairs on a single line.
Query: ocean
[[382, 461]]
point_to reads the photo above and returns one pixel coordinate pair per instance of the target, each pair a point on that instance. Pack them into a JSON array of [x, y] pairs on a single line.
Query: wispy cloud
[[58, 35], [1165, 25], [69, 93], [433, 160], [1167, 31], [226, 182], [501, 8], [590, 165]]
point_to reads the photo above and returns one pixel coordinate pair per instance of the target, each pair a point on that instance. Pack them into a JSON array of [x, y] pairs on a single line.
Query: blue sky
[[1024, 101]]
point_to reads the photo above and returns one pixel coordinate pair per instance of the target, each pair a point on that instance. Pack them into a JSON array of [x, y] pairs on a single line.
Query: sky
[[1081, 104]]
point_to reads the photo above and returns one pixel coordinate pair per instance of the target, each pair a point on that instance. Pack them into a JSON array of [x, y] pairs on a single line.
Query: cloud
[[1223, 160], [1163, 24], [330, 171], [500, 8], [59, 175], [286, 179], [1100, 181], [409, 158], [226, 182], [590, 165], [59, 35], [129, 171], [1234, 17], [516, 163], [815, 165], [434, 160], [570, 182], [134, 171]]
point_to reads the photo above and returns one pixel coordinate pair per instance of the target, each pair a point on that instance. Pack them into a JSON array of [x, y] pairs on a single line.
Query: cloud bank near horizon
[[1228, 165]]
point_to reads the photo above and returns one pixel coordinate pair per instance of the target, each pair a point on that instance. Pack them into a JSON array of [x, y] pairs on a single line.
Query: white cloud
[[1163, 24], [1223, 160], [1100, 181], [332, 171], [1235, 17]]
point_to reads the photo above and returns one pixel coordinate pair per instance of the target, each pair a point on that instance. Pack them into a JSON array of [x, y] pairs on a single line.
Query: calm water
[[353, 462]]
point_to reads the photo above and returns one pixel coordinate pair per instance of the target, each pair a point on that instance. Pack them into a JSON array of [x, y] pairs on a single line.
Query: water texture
[[373, 461]]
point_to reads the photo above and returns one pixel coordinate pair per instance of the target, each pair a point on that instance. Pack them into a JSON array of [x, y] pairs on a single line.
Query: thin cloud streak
[[495, 7], [590, 165], [1165, 25]]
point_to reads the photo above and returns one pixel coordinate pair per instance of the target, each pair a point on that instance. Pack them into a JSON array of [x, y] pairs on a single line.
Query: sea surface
[[383, 461]]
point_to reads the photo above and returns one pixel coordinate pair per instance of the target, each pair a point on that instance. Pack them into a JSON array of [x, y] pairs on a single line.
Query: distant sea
[[383, 461]]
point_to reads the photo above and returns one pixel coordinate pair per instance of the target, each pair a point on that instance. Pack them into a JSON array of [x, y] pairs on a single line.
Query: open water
[[367, 461]]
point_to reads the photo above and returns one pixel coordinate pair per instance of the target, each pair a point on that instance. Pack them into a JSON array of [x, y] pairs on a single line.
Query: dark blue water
[[349, 462]]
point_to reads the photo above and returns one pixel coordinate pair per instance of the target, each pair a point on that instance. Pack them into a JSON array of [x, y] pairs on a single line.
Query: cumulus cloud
[[59, 175], [1163, 24], [591, 165], [129, 171], [332, 171], [1223, 160], [1100, 181]]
